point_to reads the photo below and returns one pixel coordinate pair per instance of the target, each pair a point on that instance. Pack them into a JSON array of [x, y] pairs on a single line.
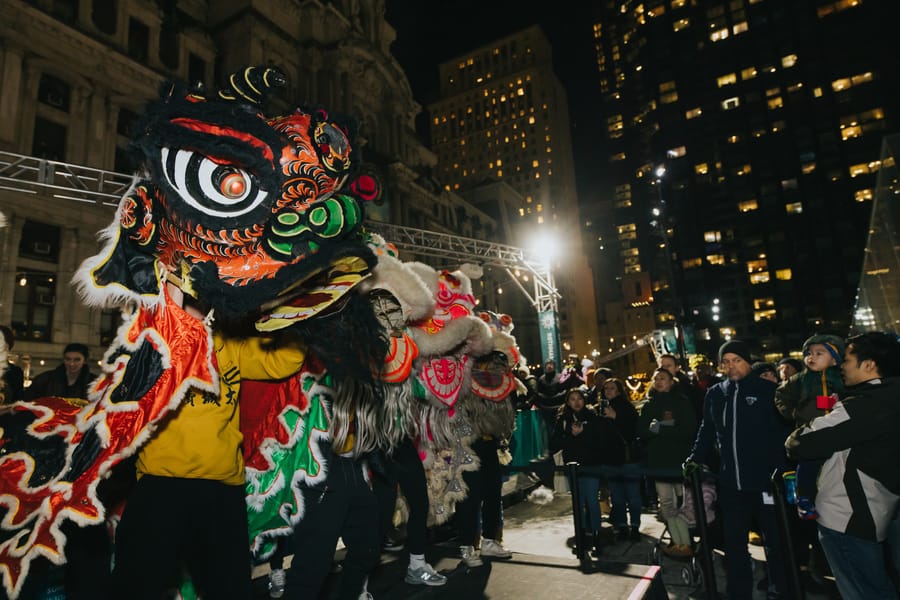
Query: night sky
[[434, 31]]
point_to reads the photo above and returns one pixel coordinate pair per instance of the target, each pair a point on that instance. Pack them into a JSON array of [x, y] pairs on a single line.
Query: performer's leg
[[315, 536], [361, 538], [411, 476], [492, 510], [149, 539], [218, 556]]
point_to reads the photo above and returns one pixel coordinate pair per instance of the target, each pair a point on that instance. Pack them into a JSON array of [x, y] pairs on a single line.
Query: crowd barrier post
[[706, 550], [792, 570]]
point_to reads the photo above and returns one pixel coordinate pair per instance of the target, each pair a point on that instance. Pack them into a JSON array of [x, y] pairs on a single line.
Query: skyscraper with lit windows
[[768, 118], [503, 116]]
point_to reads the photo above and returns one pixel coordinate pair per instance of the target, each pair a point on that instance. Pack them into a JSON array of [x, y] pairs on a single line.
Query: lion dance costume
[[259, 221]]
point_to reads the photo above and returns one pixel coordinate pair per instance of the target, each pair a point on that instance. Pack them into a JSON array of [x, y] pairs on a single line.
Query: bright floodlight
[[545, 247], [660, 171]]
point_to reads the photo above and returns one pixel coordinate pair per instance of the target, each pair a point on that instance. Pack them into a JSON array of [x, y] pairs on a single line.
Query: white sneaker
[[470, 556], [493, 549], [425, 575], [276, 583]]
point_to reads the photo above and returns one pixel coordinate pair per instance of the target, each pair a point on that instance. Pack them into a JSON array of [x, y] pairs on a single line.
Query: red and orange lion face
[[242, 210]]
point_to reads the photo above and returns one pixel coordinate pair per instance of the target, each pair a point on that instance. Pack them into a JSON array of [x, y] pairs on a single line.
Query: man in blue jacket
[[739, 417]]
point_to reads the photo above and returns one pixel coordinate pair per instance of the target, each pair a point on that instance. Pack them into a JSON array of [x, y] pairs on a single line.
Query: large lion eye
[[212, 188]]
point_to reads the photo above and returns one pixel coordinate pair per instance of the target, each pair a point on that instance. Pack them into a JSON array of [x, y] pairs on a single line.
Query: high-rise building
[[768, 118], [503, 115]]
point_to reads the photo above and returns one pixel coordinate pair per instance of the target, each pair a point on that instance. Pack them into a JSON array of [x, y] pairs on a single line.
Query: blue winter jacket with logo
[[741, 421]]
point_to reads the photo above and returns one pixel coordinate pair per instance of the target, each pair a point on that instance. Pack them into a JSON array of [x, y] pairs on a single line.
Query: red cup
[[825, 402]]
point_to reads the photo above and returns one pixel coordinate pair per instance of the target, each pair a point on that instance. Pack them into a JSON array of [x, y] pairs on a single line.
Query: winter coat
[[859, 484], [668, 448], [586, 448], [739, 417]]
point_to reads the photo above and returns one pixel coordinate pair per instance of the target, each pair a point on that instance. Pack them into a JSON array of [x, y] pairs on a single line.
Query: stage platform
[[520, 577]]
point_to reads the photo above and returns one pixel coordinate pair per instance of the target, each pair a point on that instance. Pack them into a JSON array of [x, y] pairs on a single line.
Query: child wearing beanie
[[809, 394]]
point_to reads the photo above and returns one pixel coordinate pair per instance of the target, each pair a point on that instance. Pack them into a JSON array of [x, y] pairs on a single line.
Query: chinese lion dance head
[[245, 213]]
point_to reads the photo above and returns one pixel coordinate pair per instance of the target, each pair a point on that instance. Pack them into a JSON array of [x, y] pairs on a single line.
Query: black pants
[[88, 554], [405, 468], [170, 523], [484, 496], [345, 509], [740, 510]]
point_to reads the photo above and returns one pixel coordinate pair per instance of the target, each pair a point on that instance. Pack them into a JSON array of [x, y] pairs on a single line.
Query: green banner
[[548, 324]]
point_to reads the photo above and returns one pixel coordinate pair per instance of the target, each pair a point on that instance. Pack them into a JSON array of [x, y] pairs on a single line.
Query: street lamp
[[659, 221]]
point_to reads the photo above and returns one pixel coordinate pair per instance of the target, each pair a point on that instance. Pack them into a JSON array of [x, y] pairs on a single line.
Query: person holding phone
[[577, 432]]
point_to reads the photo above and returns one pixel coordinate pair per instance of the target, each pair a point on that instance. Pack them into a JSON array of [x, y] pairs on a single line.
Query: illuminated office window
[[744, 170], [748, 73], [711, 237], [680, 24], [668, 98], [848, 133], [756, 278], [793, 208], [716, 259], [730, 103], [733, 139], [739, 28], [757, 266], [788, 61], [617, 157], [783, 274], [762, 303], [728, 79], [839, 85], [774, 103], [764, 315], [701, 169], [864, 168], [719, 34], [691, 263], [693, 113], [676, 152], [863, 195], [817, 92], [667, 86], [748, 205], [807, 168], [678, 4]]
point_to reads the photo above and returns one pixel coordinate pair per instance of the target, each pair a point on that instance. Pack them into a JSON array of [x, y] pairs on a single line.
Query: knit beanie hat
[[738, 347], [833, 343], [797, 364]]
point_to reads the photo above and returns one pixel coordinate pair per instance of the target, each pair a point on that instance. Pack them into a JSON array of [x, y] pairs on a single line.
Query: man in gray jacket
[[859, 484]]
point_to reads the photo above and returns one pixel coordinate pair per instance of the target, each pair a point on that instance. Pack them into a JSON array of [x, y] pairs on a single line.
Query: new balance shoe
[[493, 549], [276, 583], [425, 575], [470, 556]]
